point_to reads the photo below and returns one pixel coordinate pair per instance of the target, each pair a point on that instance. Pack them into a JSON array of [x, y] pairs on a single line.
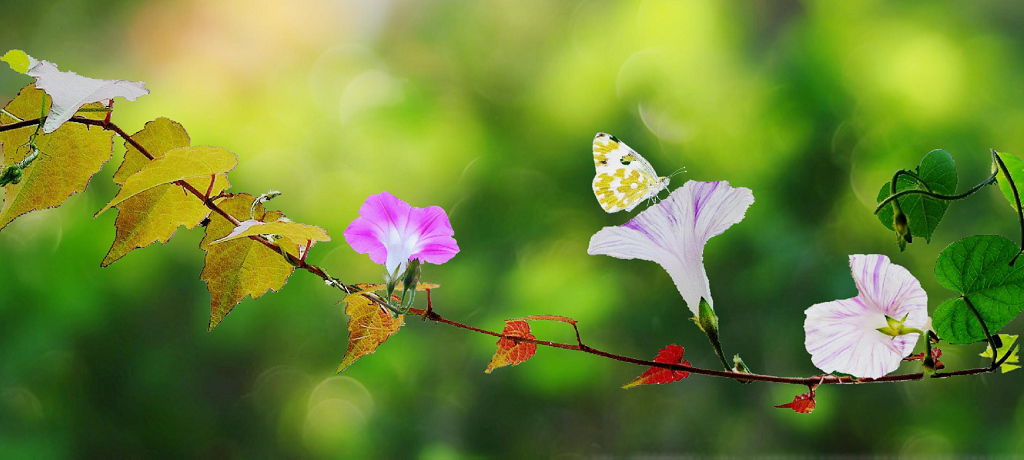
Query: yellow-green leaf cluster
[[183, 163], [68, 157], [243, 267], [156, 213], [1011, 363], [300, 234]]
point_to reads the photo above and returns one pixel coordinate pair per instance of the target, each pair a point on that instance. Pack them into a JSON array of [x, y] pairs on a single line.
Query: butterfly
[[624, 178]]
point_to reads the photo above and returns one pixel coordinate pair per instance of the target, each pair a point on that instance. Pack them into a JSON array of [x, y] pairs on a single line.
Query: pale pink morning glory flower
[[393, 232], [673, 233], [843, 335]]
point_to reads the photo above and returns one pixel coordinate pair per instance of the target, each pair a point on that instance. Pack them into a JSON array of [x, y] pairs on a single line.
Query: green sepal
[[739, 366], [896, 327], [707, 321]]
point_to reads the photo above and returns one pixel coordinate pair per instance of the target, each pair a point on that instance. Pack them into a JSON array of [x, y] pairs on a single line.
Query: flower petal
[[385, 211], [393, 232], [716, 207], [890, 289], [70, 91], [842, 335], [429, 221], [673, 233], [364, 237]]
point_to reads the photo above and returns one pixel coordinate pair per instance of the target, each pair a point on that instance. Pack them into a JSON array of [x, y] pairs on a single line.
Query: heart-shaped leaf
[[938, 171], [978, 268], [1015, 166]]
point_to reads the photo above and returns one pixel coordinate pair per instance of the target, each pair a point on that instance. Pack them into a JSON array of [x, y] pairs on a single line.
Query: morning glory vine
[[57, 133]]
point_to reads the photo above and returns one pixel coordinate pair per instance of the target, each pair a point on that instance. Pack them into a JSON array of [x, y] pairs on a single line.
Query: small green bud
[[707, 321], [11, 175], [928, 363], [741, 367], [899, 222], [412, 274]]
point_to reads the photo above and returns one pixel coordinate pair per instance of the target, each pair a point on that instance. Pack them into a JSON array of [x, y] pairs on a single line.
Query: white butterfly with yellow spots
[[624, 178]]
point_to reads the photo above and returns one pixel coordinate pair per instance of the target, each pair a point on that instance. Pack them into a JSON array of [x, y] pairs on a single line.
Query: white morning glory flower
[[868, 335], [68, 90], [673, 233]]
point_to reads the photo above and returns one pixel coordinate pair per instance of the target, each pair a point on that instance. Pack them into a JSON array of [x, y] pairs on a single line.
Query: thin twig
[[984, 327], [1016, 200], [429, 313], [937, 196], [804, 381]]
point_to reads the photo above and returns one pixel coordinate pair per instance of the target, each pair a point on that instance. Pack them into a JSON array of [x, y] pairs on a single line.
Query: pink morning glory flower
[[673, 233], [393, 233], [868, 335]]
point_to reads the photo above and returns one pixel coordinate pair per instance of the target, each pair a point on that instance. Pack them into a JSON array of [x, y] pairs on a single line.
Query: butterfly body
[[624, 178]]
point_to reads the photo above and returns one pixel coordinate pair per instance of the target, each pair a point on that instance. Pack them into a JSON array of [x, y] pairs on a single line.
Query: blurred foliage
[[488, 109]]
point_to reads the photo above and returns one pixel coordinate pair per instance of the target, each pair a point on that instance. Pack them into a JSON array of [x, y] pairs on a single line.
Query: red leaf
[[936, 353], [803, 404], [672, 354], [512, 352]]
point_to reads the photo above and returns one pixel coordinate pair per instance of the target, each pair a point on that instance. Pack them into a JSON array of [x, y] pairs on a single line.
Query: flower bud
[[739, 366], [412, 274], [902, 227], [706, 319], [928, 363], [11, 175]]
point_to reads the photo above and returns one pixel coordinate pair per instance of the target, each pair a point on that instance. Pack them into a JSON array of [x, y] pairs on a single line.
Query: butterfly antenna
[[678, 171]]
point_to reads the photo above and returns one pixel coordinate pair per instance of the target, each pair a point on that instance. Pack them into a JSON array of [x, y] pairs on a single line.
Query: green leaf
[[938, 171], [978, 268], [1015, 166]]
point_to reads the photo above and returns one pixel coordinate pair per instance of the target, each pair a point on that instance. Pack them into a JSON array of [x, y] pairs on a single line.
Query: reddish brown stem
[[429, 313], [805, 381], [209, 190]]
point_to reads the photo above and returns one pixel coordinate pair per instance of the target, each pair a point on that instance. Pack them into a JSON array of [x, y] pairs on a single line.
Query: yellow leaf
[[240, 268], [369, 325], [68, 157], [184, 163], [300, 234], [18, 60], [155, 214]]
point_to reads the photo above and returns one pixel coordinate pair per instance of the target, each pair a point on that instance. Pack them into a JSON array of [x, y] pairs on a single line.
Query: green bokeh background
[[488, 109]]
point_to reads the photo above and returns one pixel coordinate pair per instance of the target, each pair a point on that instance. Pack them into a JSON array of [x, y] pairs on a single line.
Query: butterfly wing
[[624, 178]]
